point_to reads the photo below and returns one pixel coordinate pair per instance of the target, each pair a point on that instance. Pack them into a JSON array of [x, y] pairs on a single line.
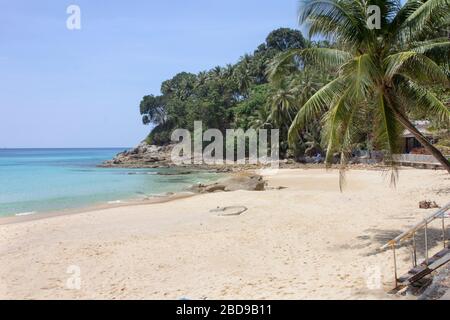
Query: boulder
[[215, 187], [239, 181]]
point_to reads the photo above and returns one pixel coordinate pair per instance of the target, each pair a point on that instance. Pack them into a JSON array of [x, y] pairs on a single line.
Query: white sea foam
[[140, 173], [115, 202], [25, 213]]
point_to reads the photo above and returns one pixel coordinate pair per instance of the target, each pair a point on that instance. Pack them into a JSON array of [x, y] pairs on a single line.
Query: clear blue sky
[[62, 88]]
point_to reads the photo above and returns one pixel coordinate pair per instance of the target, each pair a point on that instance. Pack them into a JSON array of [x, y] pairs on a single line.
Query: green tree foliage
[[252, 111], [223, 97], [153, 109], [283, 39], [381, 74]]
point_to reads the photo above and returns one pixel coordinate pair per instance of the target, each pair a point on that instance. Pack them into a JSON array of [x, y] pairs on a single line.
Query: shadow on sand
[[381, 237]]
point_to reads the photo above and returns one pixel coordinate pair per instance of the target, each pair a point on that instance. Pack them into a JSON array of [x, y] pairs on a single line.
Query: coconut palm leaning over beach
[[384, 72]]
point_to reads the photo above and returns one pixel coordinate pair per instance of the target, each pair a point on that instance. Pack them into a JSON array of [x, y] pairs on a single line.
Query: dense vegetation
[[237, 96], [357, 90], [223, 97]]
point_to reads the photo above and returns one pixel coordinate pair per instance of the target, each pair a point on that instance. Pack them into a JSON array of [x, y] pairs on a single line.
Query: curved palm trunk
[[422, 139]]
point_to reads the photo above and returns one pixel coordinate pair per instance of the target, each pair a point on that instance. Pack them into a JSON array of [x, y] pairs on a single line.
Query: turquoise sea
[[33, 181]]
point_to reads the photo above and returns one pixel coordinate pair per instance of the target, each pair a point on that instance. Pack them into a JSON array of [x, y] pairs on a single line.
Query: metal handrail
[[407, 234]]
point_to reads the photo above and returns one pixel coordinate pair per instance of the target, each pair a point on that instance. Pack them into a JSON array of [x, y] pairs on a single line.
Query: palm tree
[[260, 120], [311, 140], [216, 72], [384, 72], [202, 77], [242, 78], [282, 103]]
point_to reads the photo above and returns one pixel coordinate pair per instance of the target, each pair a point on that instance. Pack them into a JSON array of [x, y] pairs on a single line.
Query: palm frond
[[388, 133], [338, 132], [324, 58], [317, 104], [276, 69], [422, 99], [345, 20], [416, 65], [436, 49], [441, 44], [332, 131], [396, 29], [428, 14], [360, 72]]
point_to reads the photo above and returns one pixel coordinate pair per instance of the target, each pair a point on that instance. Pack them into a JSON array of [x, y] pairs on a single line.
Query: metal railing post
[[426, 242], [395, 265], [414, 250], [443, 229]]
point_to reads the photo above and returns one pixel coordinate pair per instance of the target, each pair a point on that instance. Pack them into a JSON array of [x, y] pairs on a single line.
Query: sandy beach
[[306, 240]]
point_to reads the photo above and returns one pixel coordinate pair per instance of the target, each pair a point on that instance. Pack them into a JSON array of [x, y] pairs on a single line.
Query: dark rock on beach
[[427, 204], [238, 181]]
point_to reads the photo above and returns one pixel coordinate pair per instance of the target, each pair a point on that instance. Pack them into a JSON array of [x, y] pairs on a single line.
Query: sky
[[82, 88]]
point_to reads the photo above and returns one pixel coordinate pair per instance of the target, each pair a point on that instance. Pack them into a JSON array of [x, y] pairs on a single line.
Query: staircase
[[429, 264]]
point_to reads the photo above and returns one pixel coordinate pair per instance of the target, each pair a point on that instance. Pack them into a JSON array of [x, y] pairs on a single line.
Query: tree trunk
[[422, 139]]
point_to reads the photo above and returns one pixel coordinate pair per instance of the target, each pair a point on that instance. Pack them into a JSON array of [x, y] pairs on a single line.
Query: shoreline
[[125, 200], [301, 238], [227, 171], [97, 207], [169, 196]]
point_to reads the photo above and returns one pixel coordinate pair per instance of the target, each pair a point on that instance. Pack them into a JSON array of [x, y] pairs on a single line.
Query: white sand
[[305, 241]]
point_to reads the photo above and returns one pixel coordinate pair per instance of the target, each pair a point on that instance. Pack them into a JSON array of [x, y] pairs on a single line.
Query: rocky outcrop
[[238, 181], [153, 156], [143, 156]]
